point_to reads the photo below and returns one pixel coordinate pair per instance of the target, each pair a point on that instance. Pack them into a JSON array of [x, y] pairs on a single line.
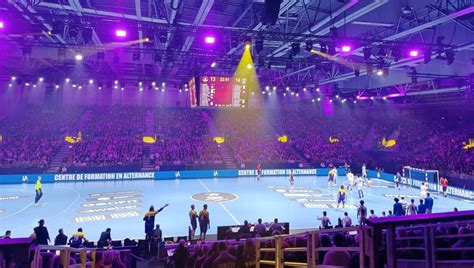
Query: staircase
[[57, 160], [223, 149], [149, 131]]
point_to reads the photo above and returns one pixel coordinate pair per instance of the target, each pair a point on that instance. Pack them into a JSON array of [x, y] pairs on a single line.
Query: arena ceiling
[[165, 40]]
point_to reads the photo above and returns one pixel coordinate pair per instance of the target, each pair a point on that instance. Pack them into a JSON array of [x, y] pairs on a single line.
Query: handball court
[[121, 205]]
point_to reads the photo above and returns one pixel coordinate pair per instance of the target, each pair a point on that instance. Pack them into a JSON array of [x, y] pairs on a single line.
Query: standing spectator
[[397, 208], [362, 213], [41, 233], [260, 228], [276, 228], [61, 238], [204, 222], [325, 221], [346, 220], [411, 209], [428, 203], [421, 207], [105, 236]]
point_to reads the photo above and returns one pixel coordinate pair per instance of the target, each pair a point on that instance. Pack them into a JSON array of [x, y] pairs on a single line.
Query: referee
[[39, 192]]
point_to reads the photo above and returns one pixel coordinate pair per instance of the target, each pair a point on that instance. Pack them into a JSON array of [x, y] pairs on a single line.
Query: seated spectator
[[224, 259], [260, 229], [346, 220], [276, 228], [7, 235], [61, 238], [77, 239], [105, 236], [212, 256], [338, 258], [244, 230], [181, 255], [325, 221]]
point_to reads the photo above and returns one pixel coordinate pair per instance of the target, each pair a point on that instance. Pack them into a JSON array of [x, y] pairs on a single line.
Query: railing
[[313, 247], [65, 253], [411, 241]]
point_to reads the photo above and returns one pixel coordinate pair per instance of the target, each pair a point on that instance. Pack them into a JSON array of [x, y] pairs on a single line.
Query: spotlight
[[304, 89], [74, 85], [140, 83], [318, 99], [186, 89], [330, 101], [384, 98], [27, 84], [249, 66], [115, 87], [1, 25], [337, 96], [247, 45], [56, 86], [163, 84], [141, 89], [91, 82], [324, 48], [13, 78], [34, 86], [122, 88], [371, 98], [414, 53], [355, 102], [213, 64], [80, 87], [287, 88], [210, 39], [313, 100], [153, 83], [180, 90], [379, 72], [346, 48], [163, 37], [267, 88], [116, 82], [274, 88], [120, 33], [10, 85], [162, 90], [99, 88], [41, 79], [317, 89], [78, 57]]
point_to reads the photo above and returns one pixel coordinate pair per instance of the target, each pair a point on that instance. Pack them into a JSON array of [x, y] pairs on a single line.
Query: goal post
[[423, 175]]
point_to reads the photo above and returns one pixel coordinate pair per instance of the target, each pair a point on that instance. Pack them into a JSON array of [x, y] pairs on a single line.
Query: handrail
[[65, 253]]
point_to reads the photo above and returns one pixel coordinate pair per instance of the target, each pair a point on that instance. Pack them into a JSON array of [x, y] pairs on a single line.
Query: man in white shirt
[[346, 220]]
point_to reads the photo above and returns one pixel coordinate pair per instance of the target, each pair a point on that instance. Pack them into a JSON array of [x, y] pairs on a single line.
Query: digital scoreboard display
[[220, 91]]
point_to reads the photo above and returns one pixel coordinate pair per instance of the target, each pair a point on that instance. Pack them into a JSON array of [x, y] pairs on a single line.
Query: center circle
[[214, 197]]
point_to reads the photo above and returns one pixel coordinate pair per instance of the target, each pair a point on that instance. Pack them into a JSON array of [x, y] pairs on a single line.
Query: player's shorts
[[194, 226], [341, 199], [445, 188], [331, 178]]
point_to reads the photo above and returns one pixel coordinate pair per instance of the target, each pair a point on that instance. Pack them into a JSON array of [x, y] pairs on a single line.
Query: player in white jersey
[[350, 178], [360, 186], [423, 190]]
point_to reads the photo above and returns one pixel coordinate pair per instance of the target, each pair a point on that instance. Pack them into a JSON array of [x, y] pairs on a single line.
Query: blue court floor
[[121, 205]]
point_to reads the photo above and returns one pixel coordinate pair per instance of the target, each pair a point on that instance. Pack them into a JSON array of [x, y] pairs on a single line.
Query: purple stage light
[[1, 25], [346, 48], [414, 53], [210, 39], [121, 33]]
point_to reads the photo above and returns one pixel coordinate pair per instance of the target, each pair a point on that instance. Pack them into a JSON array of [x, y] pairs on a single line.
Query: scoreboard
[[221, 91]]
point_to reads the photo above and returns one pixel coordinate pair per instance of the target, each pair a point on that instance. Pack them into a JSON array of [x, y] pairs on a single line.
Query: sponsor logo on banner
[[108, 209], [214, 197], [8, 198], [118, 197], [105, 217], [116, 193], [277, 172], [104, 176], [216, 173], [312, 205], [177, 174], [24, 179], [112, 203]]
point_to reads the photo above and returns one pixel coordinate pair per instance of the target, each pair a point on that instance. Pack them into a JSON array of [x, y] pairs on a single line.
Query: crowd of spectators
[[425, 138]]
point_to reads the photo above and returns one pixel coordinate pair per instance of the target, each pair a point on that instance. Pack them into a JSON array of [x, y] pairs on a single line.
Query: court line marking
[[220, 203]]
